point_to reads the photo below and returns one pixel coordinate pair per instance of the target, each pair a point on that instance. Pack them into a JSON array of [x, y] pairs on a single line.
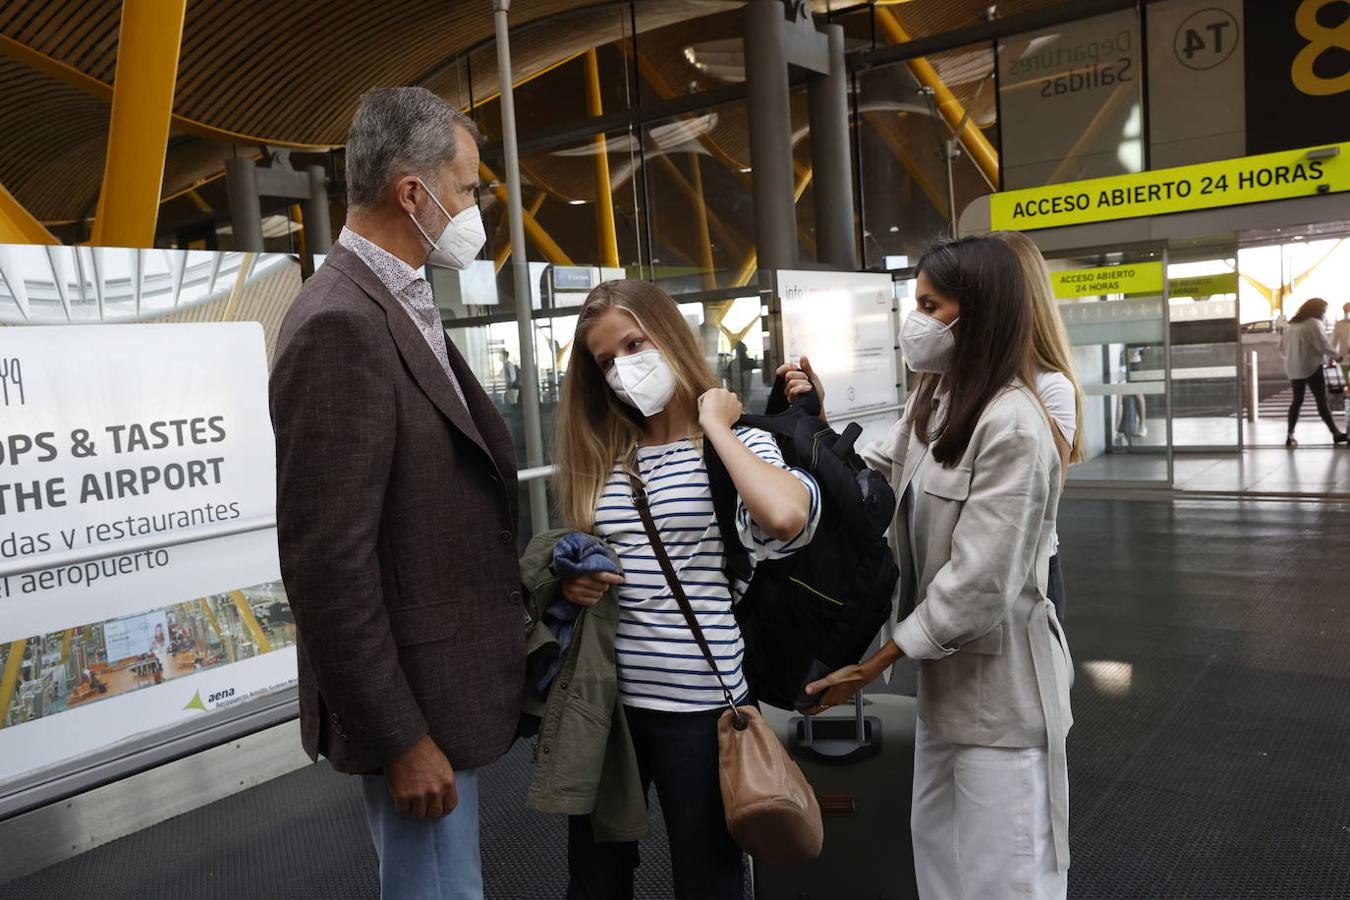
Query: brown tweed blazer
[[396, 519]]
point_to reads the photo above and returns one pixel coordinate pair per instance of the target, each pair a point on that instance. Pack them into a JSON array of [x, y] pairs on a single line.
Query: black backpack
[[820, 609]]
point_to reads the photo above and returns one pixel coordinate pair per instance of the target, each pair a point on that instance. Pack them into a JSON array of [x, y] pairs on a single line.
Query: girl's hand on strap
[[718, 408]]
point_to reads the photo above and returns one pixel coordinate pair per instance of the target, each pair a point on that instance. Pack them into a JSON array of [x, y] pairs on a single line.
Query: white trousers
[[981, 822]]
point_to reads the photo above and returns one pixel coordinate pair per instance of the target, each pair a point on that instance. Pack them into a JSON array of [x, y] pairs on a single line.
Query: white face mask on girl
[[928, 345], [461, 238], [643, 380]]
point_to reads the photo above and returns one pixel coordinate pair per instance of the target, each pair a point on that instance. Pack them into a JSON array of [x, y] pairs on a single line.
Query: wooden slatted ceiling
[[536, 48], [294, 71], [280, 71], [52, 141]]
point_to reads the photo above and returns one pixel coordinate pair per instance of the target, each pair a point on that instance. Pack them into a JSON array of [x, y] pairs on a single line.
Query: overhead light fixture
[[576, 202], [745, 170]]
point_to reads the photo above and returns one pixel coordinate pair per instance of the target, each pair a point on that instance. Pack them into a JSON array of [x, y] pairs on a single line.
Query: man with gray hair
[[396, 507]]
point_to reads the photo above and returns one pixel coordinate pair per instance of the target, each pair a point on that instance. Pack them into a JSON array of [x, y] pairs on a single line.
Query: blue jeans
[[678, 752], [426, 860]]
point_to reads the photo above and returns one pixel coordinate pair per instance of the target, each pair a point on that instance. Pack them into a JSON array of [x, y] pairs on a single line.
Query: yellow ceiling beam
[[604, 199], [148, 45], [226, 645], [950, 108], [533, 230], [705, 254], [251, 622], [898, 150], [502, 241], [101, 90], [237, 291], [17, 224]]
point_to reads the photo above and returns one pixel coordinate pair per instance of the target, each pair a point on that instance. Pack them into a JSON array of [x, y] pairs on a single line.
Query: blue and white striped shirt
[[660, 665]]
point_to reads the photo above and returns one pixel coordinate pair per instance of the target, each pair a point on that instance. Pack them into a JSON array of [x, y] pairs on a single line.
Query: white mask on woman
[[928, 345], [461, 238], [643, 380]]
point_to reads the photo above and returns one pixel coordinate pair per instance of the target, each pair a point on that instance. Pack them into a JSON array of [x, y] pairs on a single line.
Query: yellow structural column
[[751, 263], [251, 621], [215, 626], [604, 201], [18, 225], [549, 247], [10, 679], [502, 240], [705, 254], [976, 144], [138, 133]]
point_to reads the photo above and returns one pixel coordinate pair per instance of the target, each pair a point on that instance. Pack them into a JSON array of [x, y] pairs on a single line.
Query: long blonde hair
[[1050, 341], [593, 428]]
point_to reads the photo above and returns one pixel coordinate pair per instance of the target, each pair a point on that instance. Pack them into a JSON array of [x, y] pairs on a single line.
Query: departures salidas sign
[[1069, 98]]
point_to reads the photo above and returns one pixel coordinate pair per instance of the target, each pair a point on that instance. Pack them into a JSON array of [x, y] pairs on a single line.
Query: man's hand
[[422, 782], [586, 590]]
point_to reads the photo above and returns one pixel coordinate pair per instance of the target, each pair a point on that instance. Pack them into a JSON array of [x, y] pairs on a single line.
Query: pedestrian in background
[[1306, 349]]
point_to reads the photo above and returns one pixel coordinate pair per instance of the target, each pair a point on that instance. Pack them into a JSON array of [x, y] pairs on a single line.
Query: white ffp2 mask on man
[[643, 380], [461, 238]]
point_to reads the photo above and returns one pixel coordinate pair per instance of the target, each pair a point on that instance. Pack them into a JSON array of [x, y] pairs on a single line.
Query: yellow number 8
[[1320, 39]]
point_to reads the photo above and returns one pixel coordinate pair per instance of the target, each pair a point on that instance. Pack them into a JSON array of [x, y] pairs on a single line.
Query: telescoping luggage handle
[[836, 739]]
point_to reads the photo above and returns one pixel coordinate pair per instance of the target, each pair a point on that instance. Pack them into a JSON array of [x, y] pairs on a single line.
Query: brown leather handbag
[[771, 809]]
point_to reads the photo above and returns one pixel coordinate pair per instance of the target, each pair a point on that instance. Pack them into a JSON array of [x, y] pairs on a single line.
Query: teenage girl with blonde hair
[[639, 398]]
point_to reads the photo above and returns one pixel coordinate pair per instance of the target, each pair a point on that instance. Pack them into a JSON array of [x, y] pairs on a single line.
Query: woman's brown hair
[[993, 341], [1315, 308]]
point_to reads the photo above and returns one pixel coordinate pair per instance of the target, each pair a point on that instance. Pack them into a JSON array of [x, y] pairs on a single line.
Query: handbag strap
[[640, 502]]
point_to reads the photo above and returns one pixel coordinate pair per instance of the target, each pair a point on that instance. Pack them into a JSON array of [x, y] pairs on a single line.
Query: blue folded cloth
[[580, 554], [574, 554]]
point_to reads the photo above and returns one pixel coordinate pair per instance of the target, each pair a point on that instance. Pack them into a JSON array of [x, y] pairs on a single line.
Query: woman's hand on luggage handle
[[586, 590], [839, 687], [801, 378]]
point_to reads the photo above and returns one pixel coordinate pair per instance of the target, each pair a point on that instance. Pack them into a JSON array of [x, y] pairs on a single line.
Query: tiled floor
[[1209, 757], [1308, 470]]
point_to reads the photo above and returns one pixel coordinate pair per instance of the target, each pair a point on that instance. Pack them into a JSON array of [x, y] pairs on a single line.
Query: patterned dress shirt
[[413, 293]]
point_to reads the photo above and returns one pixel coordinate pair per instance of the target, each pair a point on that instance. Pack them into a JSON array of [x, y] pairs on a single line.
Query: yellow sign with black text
[[1226, 182], [1203, 285], [1135, 278]]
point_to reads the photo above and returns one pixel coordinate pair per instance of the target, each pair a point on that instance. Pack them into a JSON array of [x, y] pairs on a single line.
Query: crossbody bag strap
[[639, 493]]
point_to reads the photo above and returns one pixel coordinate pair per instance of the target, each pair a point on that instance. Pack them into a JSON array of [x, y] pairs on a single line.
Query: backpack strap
[[725, 502]]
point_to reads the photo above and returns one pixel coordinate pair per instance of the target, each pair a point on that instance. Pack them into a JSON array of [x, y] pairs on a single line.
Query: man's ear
[[406, 190]]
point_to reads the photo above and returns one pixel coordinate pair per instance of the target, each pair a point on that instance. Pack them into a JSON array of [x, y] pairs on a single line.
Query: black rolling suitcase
[[861, 766]]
